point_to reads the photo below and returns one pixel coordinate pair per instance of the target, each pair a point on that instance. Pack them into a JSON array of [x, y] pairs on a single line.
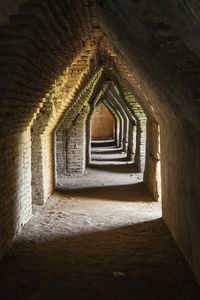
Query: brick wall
[[75, 144], [15, 185], [141, 119], [45, 57], [103, 123], [68, 117], [59, 100]]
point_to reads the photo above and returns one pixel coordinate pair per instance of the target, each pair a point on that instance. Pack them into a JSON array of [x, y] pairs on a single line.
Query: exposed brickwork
[[61, 137], [15, 185], [48, 53], [76, 140], [45, 57], [67, 119], [129, 123], [59, 99], [137, 144], [137, 111]]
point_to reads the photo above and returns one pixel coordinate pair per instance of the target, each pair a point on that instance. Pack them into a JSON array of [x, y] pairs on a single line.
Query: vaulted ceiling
[[52, 47]]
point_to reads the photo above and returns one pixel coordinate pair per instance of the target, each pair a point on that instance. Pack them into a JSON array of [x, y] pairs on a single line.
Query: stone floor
[[101, 175], [109, 155], [101, 245]]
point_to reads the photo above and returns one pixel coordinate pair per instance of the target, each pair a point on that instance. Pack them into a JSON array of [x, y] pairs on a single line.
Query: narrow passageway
[[84, 247], [99, 149], [100, 236]]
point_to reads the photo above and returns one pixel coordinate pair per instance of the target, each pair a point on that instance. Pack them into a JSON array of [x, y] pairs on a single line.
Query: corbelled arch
[[121, 120], [67, 118], [137, 108], [103, 128], [118, 124], [115, 95], [44, 125], [125, 115]]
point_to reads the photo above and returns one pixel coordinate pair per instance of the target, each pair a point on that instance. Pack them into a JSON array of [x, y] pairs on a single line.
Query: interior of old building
[[100, 142]]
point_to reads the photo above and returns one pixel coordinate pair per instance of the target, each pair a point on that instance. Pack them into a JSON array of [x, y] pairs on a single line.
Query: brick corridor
[[59, 59]]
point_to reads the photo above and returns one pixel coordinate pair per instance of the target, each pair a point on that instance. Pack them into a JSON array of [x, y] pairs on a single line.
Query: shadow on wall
[[139, 261]]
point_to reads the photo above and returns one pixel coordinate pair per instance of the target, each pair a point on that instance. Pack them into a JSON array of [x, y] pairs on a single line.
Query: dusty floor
[[97, 247], [101, 176]]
